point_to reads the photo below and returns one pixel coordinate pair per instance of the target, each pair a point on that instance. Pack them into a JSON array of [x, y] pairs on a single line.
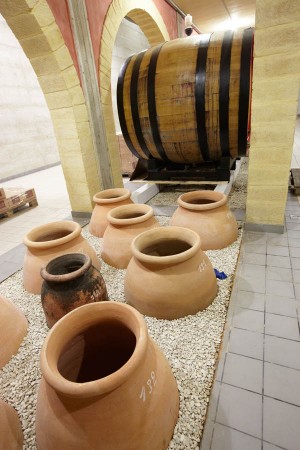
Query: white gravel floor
[[238, 193], [236, 198], [170, 193], [191, 345]]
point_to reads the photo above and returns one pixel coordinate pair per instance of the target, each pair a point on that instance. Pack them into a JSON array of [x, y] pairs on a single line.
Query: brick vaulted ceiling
[[218, 15]]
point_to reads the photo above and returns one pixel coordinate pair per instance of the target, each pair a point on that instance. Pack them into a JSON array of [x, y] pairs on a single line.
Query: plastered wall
[[27, 140], [130, 39], [276, 78]]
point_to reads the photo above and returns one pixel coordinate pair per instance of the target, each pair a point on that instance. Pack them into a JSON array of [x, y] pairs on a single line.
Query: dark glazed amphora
[[70, 281]]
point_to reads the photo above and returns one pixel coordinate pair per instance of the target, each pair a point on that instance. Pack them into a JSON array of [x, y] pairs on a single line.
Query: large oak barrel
[[187, 100]]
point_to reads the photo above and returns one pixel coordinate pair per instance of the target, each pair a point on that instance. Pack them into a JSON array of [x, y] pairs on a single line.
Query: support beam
[[89, 81]]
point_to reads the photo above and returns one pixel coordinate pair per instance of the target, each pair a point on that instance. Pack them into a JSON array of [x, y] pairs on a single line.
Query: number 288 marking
[[148, 389]]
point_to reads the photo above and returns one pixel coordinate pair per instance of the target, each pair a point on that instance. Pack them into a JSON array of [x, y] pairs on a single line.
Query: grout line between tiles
[[282, 401], [243, 432]]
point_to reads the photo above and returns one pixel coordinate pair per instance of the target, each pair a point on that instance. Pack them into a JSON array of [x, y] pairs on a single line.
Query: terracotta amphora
[[105, 383], [124, 224], [70, 281], [47, 241], [104, 202], [11, 435], [207, 213], [169, 276], [13, 329]]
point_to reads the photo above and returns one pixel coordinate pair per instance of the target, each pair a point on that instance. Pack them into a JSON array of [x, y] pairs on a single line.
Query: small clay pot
[[169, 276], [104, 202], [124, 224], [13, 329], [11, 435], [105, 383], [70, 281], [207, 213], [48, 241]]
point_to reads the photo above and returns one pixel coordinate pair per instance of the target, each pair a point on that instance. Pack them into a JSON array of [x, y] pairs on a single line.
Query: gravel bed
[[191, 345], [238, 193], [236, 198], [170, 193]]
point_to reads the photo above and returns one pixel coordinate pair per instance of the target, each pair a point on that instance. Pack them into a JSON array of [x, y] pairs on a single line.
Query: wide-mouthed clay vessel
[[105, 383], [48, 241], [124, 224], [11, 435], [169, 276], [104, 202], [207, 213], [70, 281], [13, 329]]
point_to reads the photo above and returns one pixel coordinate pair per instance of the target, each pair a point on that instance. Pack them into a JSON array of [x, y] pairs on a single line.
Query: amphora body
[[169, 276], [207, 213], [105, 383]]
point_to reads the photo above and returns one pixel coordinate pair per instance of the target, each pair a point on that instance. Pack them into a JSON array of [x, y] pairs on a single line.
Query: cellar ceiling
[[219, 15]]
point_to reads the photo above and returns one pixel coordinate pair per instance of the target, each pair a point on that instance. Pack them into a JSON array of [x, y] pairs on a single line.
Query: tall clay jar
[[13, 329], [169, 276], [207, 213], [105, 383], [104, 202], [11, 435], [47, 241], [124, 224], [70, 281]]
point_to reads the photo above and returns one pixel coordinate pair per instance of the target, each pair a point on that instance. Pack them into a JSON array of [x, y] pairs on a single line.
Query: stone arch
[[34, 26], [152, 24], [154, 31]]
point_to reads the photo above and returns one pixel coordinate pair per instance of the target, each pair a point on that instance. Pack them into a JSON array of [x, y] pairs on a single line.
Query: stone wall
[[27, 140]]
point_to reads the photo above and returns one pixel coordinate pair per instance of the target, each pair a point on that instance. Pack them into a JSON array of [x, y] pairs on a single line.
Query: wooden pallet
[[295, 181], [11, 199]]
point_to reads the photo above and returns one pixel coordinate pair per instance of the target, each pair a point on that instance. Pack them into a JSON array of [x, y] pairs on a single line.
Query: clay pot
[[169, 276], [124, 224], [207, 213], [105, 384], [50, 240], [13, 329], [104, 202], [70, 281], [11, 435]]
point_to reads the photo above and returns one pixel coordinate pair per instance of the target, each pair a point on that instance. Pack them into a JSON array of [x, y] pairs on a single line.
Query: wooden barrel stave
[[128, 111], [171, 115], [235, 67], [175, 100], [143, 105], [212, 88]]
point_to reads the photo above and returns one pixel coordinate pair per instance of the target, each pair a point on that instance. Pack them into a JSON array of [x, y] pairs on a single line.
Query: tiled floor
[[255, 400]]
